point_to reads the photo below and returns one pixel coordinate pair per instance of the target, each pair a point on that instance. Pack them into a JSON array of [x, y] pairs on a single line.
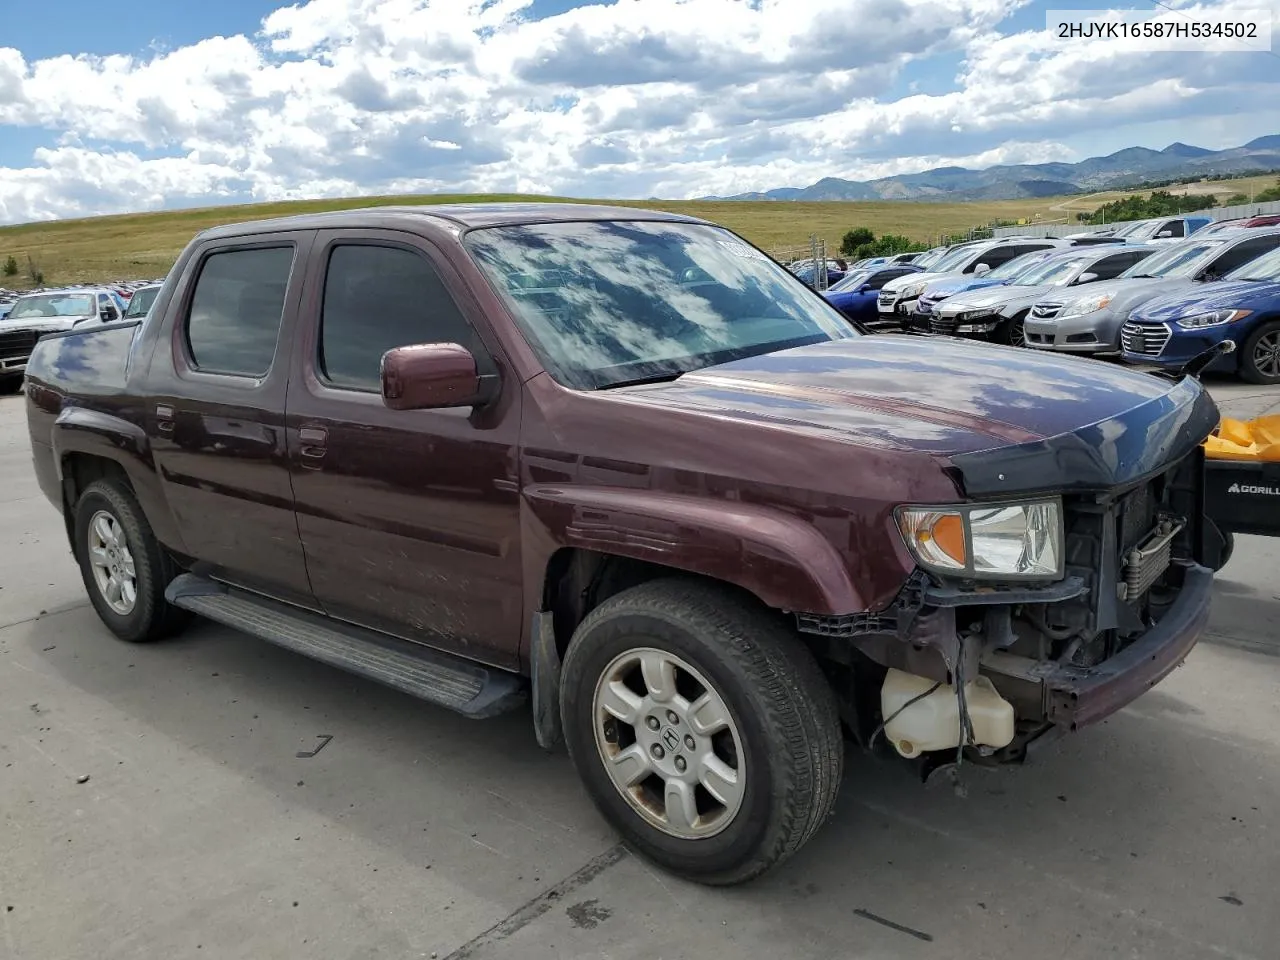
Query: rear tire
[[1260, 354], [718, 807], [124, 568], [10, 385]]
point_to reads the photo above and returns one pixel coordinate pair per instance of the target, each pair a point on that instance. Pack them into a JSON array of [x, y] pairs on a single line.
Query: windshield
[[1054, 272], [851, 281], [1177, 261], [929, 257], [53, 305], [1266, 267], [141, 301], [609, 303]]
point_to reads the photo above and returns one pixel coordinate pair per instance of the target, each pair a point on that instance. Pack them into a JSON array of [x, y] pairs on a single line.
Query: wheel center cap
[[671, 740]]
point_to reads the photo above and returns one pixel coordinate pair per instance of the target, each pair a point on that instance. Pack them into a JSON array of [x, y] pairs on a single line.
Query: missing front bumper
[[1074, 696]]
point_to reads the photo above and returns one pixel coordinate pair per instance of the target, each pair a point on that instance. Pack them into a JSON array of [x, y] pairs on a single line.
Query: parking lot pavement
[[413, 832]]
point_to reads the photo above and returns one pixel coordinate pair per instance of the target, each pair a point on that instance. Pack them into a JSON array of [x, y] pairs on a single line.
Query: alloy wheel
[[669, 743], [112, 563]]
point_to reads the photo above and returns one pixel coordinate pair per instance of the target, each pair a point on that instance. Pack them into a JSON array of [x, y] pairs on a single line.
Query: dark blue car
[[855, 295], [1243, 307]]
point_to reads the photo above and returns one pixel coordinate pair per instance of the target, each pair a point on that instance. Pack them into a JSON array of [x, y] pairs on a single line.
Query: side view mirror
[[981, 270], [865, 288], [428, 376], [1164, 233], [107, 314], [1086, 278]]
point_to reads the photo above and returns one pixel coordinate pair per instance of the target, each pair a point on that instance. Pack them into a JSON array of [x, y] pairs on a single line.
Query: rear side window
[[236, 309], [1242, 253], [378, 298]]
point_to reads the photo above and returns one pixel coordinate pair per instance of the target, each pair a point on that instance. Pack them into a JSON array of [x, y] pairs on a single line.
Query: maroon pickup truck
[[620, 469]]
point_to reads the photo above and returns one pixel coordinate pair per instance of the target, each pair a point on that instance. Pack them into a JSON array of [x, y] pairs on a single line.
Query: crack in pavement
[[56, 611], [539, 905]]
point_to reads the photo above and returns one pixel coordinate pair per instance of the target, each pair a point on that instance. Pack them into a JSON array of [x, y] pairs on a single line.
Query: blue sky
[[131, 105]]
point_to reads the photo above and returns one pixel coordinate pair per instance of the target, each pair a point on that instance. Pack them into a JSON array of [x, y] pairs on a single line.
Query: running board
[[471, 689]]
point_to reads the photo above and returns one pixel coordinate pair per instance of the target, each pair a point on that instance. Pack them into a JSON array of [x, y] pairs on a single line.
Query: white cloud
[[626, 98]]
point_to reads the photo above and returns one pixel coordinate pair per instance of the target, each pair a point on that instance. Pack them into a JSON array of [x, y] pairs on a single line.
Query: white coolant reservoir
[[933, 723]]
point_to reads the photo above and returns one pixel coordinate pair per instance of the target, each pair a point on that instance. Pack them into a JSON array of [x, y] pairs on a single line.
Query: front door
[[409, 518], [216, 413]]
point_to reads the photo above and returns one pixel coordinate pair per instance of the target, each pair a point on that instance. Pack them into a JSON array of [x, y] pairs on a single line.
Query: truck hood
[[41, 324], [1240, 294], [953, 398]]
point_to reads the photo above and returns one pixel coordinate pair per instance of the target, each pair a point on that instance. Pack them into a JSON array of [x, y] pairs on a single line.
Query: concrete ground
[[414, 833]]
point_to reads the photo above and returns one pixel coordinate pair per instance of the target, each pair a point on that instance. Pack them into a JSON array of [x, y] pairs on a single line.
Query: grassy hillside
[[145, 244]]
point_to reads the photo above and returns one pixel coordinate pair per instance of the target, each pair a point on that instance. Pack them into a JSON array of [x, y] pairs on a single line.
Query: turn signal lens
[[937, 538]]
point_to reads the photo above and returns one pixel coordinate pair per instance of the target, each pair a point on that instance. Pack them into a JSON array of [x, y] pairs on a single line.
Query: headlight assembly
[[992, 541], [911, 290], [1085, 306], [1214, 318]]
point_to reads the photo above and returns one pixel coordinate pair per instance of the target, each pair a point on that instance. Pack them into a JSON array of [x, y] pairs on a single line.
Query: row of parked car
[[1146, 301], [28, 317]]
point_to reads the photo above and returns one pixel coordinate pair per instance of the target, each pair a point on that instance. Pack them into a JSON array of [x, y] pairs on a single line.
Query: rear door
[[410, 518], [216, 412]]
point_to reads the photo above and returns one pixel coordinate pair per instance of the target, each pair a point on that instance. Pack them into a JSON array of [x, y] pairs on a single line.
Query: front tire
[[702, 728], [124, 568], [1260, 355], [1013, 332], [10, 384]]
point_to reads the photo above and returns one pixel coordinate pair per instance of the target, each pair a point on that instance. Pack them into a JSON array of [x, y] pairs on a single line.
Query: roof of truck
[[456, 214]]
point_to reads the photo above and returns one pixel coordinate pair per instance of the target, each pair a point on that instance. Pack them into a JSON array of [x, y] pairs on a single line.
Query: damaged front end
[[1098, 612]]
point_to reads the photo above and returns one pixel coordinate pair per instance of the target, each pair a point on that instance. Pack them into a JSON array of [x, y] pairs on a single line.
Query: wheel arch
[[601, 541], [90, 445]]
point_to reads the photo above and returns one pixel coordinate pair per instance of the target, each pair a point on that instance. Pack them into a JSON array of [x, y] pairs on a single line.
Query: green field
[[144, 245]]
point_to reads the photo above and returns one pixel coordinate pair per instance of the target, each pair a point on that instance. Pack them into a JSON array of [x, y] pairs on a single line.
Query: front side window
[[236, 310], [378, 298], [609, 303]]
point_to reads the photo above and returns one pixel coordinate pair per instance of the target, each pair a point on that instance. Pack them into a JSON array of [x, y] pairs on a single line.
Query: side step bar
[[471, 689]]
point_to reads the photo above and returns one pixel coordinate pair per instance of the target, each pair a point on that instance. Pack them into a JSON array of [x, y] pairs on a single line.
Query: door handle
[[312, 450], [164, 418]]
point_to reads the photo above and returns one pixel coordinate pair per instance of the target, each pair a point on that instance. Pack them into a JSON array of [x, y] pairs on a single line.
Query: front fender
[[95, 433], [778, 557]]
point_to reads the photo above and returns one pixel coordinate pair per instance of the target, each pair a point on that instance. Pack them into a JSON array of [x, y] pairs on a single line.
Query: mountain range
[[1130, 167]]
